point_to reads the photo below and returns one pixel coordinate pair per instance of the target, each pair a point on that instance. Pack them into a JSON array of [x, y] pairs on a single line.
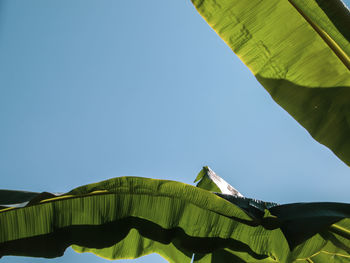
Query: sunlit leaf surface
[[128, 217], [299, 51]]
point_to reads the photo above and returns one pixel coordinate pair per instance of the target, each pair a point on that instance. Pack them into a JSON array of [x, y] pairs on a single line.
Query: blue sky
[[91, 90]]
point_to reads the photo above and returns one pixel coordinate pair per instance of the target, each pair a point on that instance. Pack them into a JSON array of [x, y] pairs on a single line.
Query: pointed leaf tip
[[210, 181]]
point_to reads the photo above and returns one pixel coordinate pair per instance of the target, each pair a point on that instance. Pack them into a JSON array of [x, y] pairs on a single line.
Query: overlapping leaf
[[128, 217], [299, 51], [300, 223]]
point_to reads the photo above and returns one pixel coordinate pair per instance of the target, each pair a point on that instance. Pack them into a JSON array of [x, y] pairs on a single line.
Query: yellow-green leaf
[[129, 217], [299, 51]]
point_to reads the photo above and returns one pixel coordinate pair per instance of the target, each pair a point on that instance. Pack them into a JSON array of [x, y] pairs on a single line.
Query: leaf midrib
[[337, 50]]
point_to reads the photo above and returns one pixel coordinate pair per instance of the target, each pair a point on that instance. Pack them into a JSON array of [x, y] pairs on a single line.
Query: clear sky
[[91, 90]]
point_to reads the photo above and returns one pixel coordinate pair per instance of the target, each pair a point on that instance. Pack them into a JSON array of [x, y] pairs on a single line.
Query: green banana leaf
[[209, 180], [129, 217], [299, 51]]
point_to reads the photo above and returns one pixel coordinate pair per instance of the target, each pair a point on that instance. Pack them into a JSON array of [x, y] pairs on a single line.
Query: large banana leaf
[[299, 51], [128, 217]]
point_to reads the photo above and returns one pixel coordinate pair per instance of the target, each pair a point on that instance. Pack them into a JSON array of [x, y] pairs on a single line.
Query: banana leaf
[[299, 51], [128, 217], [207, 179]]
